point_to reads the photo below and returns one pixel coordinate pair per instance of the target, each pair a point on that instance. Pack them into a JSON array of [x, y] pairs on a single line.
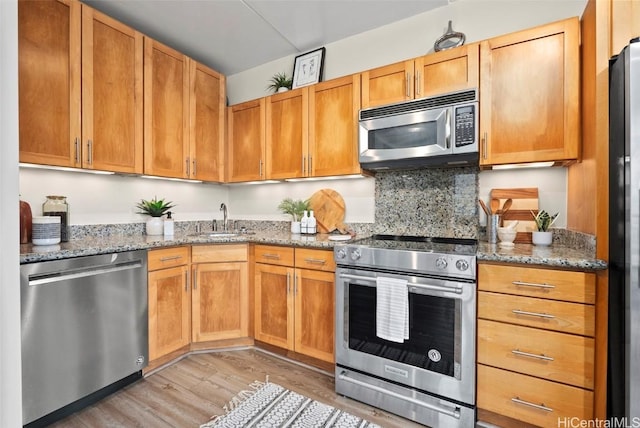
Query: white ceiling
[[235, 35]]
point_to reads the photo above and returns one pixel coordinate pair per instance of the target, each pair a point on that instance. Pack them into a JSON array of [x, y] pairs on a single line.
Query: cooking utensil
[[494, 204], [507, 204], [484, 207], [448, 40]]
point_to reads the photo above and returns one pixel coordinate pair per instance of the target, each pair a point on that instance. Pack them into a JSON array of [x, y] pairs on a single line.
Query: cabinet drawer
[[315, 259], [545, 283], [167, 257], [274, 255], [497, 390], [555, 356], [576, 318], [219, 253]]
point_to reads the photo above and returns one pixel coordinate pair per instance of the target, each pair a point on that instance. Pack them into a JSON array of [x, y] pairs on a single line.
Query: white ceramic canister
[[45, 230]]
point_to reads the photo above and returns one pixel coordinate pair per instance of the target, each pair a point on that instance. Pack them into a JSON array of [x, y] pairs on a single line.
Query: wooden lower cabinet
[[294, 307], [536, 345]]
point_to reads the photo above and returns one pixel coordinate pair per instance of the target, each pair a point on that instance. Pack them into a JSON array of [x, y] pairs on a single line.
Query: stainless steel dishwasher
[[84, 331]]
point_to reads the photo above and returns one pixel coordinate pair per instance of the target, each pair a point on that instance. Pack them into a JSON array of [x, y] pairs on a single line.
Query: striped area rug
[[271, 405]]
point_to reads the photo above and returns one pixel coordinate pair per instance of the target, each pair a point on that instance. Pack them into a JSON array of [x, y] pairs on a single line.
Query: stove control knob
[[462, 265], [341, 253], [355, 255], [441, 263]]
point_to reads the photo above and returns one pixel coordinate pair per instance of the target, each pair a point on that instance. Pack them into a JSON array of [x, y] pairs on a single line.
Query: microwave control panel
[[465, 122]]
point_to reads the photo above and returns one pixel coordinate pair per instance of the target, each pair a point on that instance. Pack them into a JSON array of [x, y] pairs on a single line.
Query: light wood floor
[[190, 391]]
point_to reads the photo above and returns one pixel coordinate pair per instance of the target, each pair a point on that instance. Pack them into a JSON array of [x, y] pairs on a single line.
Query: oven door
[[405, 136], [438, 357]]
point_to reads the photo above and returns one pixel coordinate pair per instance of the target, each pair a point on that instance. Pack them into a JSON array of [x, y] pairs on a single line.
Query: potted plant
[[543, 236], [155, 208], [296, 209], [280, 82]]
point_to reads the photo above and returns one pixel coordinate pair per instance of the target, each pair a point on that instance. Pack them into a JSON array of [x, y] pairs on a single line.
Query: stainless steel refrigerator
[[624, 235]]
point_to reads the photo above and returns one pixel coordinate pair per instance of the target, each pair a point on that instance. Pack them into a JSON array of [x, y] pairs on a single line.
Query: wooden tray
[[329, 210], [524, 200]]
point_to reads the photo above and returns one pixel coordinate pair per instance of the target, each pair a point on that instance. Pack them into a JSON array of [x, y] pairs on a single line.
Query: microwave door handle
[[447, 126]]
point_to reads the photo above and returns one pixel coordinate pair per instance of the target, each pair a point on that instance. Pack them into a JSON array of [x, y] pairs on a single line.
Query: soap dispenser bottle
[[304, 223], [168, 225], [311, 224]]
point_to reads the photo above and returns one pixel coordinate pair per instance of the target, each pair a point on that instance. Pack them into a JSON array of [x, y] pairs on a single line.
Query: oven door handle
[[455, 413], [457, 290]]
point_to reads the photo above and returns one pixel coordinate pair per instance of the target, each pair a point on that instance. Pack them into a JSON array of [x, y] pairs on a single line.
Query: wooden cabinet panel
[[167, 257], [207, 128], [274, 255], [550, 355], [530, 92], [169, 310], [497, 390], [220, 301], [166, 111], [274, 305], [112, 105], [219, 253], [447, 71], [307, 258], [287, 134], [246, 141], [315, 313], [49, 80], [544, 283], [387, 85], [333, 127], [564, 317]]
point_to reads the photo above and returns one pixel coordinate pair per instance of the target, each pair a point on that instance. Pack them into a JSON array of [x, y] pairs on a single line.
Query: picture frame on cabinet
[[308, 67]]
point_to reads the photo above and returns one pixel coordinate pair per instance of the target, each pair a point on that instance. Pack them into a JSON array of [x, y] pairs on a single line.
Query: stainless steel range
[[406, 326]]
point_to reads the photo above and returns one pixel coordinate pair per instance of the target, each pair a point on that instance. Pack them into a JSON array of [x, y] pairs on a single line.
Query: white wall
[[10, 371]]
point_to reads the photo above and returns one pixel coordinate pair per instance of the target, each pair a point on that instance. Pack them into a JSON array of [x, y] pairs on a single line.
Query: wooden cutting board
[[524, 200], [329, 209]]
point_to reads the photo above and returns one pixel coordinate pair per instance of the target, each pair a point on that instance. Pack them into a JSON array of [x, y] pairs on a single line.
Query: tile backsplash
[[428, 202]]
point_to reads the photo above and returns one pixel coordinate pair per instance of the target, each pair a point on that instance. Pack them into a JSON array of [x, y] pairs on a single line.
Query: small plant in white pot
[[155, 208], [296, 209], [280, 82], [543, 236]]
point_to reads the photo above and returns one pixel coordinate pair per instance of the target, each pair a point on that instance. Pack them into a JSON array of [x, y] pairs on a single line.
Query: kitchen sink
[[215, 234]]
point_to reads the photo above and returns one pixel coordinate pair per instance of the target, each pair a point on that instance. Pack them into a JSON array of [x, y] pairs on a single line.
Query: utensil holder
[[493, 222]]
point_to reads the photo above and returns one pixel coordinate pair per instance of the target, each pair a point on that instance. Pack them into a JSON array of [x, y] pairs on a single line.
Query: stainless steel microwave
[[437, 131]]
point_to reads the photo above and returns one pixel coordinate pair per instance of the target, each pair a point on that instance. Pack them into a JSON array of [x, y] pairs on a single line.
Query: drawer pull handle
[[527, 354], [271, 256], [166, 259], [532, 284], [533, 314], [536, 406], [315, 261]]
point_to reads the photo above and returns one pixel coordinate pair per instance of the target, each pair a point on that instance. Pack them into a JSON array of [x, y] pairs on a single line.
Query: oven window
[[434, 326], [404, 136]]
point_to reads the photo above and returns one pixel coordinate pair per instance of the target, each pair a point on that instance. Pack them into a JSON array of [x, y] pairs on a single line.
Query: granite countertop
[[89, 246], [551, 256]]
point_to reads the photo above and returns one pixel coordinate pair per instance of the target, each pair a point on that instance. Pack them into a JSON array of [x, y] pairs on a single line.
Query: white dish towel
[[392, 309]]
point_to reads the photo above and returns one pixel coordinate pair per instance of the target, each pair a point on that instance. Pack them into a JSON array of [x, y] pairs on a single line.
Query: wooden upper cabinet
[[166, 111], [530, 93], [246, 141], [287, 134], [437, 73], [333, 127], [207, 110], [111, 94], [49, 82]]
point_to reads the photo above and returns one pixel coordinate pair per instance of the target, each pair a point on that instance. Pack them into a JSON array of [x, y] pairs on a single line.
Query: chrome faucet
[[225, 225]]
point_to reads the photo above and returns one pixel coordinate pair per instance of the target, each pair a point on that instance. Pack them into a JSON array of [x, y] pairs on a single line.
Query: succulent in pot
[[280, 82], [296, 209], [155, 208], [543, 236]]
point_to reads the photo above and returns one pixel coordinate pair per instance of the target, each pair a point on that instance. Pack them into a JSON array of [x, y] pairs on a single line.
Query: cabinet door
[[207, 101], [315, 313], [246, 130], [274, 305], [111, 94], [49, 81], [287, 134], [447, 71], [530, 95], [333, 127], [166, 111], [169, 311], [389, 84], [220, 301]]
